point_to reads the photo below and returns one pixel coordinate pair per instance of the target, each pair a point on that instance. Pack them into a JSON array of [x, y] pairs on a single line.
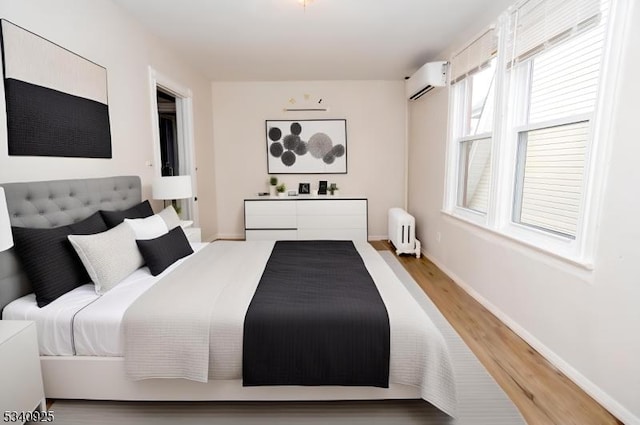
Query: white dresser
[[21, 388], [302, 217]]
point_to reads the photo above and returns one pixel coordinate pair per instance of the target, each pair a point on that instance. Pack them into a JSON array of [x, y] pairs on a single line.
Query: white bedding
[[96, 326], [418, 353]]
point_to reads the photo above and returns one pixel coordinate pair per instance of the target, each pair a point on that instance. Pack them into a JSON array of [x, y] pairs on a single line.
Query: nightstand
[[194, 234], [21, 388]]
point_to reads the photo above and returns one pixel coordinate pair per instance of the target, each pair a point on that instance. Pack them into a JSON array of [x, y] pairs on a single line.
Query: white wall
[[375, 114], [585, 322], [101, 32]]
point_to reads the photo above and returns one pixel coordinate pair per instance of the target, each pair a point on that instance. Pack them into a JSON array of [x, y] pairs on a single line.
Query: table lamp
[[172, 188]]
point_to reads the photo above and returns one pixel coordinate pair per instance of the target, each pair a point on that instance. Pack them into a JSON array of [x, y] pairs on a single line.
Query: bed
[[81, 337]]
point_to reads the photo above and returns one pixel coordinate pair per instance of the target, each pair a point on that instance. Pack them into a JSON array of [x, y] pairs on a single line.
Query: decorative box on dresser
[[21, 388], [305, 217]]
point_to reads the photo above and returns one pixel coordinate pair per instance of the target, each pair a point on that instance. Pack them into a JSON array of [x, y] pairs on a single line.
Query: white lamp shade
[[6, 238], [172, 187]]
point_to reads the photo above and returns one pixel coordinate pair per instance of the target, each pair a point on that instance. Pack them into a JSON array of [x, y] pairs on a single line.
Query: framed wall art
[[322, 187], [56, 100], [304, 188], [306, 146]]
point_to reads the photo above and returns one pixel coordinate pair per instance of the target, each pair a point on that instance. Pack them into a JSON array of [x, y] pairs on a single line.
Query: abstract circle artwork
[[288, 158], [307, 146], [296, 128], [275, 134], [291, 141], [276, 149], [319, 145]]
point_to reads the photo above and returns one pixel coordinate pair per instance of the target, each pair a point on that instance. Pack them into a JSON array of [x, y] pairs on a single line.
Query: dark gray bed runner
[[316, 318]]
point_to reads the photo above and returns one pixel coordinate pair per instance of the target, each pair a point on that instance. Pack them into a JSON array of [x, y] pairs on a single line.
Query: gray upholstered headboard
[[55, 203]]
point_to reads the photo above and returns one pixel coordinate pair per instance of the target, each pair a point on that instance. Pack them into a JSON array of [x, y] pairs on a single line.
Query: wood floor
[[541, 392]]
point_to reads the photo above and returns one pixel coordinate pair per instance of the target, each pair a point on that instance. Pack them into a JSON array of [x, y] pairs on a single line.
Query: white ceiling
[[265, 40]]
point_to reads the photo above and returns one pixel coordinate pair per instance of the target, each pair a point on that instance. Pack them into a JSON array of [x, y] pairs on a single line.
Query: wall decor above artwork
[[307, 146], [56, 100], [307, 104]]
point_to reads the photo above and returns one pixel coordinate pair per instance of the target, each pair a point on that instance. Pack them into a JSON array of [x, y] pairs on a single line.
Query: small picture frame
[[322, 187], [304, 188]]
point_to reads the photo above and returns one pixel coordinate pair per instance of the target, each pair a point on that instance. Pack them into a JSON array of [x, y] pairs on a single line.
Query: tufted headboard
[[56, 203]]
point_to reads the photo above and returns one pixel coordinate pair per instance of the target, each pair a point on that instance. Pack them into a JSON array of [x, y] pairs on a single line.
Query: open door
[[174, 150]]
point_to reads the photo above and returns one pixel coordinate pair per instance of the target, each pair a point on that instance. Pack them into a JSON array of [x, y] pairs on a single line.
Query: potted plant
[[333, 189], [280, 189], [273, 182]]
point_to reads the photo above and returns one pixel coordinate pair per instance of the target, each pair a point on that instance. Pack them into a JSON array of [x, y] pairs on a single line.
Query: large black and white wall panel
[[56, 100]]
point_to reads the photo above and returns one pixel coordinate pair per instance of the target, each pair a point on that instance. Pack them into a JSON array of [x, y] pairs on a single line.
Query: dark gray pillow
[[161, 252], [49, 260], [113, 218]]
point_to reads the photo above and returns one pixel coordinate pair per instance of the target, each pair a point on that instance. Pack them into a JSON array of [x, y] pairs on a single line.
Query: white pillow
[[170, 217], [147, 228], [109, 256]]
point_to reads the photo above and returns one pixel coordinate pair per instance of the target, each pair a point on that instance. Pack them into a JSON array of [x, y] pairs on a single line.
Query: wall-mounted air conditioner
[[430, 75]]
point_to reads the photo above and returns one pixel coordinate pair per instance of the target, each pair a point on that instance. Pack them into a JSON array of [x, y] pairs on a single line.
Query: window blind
[[564, 80], [538, 24], [475, 56]]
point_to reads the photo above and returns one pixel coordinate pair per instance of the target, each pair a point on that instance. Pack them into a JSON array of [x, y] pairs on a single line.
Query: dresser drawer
[[332, 234], [267, 207], [316, 221], [270, 222], [333, 207], [270, 214], [271, 235]]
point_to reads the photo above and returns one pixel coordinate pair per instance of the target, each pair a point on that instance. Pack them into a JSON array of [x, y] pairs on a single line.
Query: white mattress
[[95, 319]]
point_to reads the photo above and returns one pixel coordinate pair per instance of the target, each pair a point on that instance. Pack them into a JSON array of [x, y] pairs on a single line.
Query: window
[[522, 121], [475, 172], [550, 176], [474, 96], [557, 79]]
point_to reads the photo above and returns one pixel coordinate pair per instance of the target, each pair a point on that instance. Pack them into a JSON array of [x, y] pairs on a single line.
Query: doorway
[[168, 127], [173, 137]]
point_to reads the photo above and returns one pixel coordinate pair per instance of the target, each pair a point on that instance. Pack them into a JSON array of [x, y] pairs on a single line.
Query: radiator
[[402, 232]]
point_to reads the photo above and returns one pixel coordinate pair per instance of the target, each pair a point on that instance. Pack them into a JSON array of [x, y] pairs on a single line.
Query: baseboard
[[593, 390], [378, 238]]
